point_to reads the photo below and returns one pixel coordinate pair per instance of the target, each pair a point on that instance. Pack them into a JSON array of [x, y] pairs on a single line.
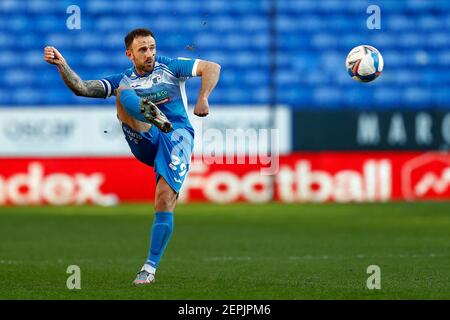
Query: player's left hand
[[202, 107]]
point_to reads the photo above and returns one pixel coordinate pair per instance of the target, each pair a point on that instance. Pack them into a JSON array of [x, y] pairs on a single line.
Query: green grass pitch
[[240, 251]]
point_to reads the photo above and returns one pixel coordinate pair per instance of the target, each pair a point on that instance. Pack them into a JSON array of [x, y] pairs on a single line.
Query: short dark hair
[[140, 32]]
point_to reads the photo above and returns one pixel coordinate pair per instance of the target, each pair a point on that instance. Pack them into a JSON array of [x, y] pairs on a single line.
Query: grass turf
[[241, 251]]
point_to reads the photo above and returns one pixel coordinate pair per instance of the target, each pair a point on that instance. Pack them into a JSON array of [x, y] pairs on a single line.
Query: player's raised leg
[[144, 110], [165, 201], [130, 121]]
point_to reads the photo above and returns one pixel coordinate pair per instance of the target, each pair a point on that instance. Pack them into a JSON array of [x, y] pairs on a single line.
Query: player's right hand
[[201, 109], [53, 56]]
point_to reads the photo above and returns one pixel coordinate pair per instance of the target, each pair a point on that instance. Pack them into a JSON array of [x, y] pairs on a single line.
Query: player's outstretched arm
[[210, 72], [85, 88]]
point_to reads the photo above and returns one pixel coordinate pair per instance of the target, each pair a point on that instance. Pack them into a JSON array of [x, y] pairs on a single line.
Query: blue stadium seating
[[313, 39]]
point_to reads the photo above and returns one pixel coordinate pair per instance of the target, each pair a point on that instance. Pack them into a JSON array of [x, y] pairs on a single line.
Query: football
[[364, 63]]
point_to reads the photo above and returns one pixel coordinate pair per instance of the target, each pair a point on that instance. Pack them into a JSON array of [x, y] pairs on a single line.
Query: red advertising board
[[59, 181], [298, 177]]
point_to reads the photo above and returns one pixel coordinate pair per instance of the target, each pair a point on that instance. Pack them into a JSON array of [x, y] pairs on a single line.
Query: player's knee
[[119, 90], [165, 201]]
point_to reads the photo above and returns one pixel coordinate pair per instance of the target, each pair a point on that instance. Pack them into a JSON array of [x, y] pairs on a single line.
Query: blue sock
[[161, 232], [130, 101]]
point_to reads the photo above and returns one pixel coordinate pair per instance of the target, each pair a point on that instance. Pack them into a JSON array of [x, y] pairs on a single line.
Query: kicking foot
[[154, 115], [144, 277]]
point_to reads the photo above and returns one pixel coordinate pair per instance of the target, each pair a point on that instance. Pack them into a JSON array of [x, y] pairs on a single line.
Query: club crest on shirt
[[156, 79]]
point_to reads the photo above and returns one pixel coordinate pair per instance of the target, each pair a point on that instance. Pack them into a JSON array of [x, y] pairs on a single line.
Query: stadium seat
[[312, 39]]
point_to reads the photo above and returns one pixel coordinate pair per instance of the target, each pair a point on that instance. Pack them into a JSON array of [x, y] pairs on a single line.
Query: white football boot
[[145, 276]]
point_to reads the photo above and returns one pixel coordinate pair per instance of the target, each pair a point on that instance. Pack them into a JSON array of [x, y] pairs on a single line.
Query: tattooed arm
[[85, 88]]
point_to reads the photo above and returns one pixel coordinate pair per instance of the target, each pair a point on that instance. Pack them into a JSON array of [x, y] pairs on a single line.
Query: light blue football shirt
[[165, 86]]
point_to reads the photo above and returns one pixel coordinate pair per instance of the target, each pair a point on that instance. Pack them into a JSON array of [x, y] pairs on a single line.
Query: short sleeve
[[181, 67], [111, 83]]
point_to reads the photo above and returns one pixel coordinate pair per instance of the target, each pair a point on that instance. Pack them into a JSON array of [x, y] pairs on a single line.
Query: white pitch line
[[227, 258], [363, 256], [10, 262], [329, 257], [246, 258]]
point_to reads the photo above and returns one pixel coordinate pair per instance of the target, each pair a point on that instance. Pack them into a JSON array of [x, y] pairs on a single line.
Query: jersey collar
[[137, 75]]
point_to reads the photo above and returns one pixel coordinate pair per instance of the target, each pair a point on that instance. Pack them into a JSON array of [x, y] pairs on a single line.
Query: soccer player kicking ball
[[152, 108]]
